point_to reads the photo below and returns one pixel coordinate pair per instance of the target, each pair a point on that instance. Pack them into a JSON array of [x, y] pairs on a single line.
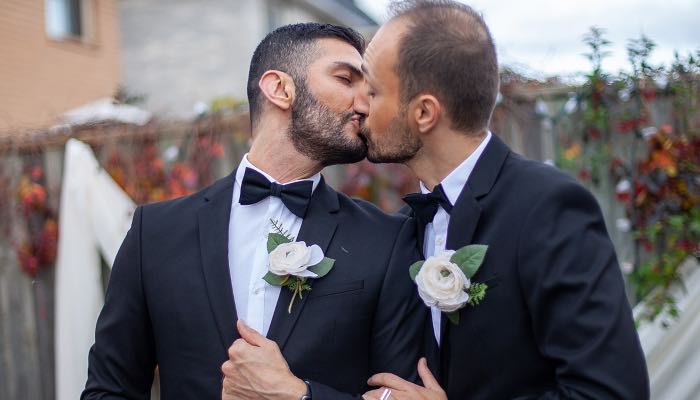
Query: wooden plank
[[6, 372], [20, 358], [20, 355], [43, 293]]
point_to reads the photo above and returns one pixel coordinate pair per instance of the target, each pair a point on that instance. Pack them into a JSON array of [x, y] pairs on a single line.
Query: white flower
[[623, 186], [294, 259], [623, 224], [442, 284]]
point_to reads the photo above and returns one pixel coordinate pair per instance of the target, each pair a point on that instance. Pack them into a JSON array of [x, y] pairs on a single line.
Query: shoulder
[[169, 208], [367, 216], [377, 235], [181, 212], [519, 167], [533, 182]]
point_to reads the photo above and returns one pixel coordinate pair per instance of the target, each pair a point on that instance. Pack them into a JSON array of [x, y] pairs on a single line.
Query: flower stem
[[294, 295]]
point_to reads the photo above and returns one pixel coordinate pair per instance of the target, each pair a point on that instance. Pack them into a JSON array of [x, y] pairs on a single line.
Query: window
[[64, 19]]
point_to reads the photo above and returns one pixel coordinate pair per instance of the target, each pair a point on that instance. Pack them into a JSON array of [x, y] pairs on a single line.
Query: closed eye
[[345, 79]]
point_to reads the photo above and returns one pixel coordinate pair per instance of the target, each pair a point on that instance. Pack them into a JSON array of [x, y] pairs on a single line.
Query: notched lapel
[[213, 219], [464, 218], [318, 228]]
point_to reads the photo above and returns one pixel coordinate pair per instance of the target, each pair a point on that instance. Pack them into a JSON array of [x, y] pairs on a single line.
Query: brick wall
[[41, 77]]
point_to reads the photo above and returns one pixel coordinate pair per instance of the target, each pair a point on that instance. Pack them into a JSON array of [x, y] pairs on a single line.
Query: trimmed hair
[[447, 50], [290, 49]]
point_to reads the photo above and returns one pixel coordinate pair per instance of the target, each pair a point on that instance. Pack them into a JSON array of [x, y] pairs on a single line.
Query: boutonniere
[[444, 280], [291, 263]]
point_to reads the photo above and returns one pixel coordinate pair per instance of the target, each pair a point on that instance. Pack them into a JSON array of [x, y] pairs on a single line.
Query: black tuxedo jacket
[[555, 322], [169, 301]]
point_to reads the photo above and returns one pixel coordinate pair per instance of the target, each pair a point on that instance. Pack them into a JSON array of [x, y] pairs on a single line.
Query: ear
[[425, 110], [278, 88]]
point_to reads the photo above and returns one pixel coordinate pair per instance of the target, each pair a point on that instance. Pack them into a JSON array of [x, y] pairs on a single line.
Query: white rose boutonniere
[[295, 258], [291, 263], [444, 281]]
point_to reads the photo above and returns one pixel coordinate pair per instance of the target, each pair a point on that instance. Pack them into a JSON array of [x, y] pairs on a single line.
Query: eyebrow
[[353, 69], [365, 71]]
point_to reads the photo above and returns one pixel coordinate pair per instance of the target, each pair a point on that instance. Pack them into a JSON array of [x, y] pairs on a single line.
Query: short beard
[[399, 150], [319, 133]]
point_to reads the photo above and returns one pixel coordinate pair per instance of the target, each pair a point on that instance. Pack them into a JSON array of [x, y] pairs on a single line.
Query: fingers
[[228, 387], [238, 349], [373, 394], [426, 376], [389, 380], [250, 335], [227, 368]]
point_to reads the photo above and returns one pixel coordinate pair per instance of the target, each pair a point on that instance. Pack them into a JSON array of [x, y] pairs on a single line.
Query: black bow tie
[[295, 196], [425, 206]]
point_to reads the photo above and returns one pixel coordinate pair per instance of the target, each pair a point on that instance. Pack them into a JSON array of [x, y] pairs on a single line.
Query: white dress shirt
[[247, 250], [436, 232]]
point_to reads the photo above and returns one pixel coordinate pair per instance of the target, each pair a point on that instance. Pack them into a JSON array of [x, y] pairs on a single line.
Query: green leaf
[[676, 221], [277, 226], [414, 268], [274, 240], [469, 258], [477, 292], [323, 268], [453, 317], [275, 280], [695, 227]]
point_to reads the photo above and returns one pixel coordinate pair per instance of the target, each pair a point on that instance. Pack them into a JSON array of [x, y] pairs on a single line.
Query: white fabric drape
[[95, 214], [673, 354]]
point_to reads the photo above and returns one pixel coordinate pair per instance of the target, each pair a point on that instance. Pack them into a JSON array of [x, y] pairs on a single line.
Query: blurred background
[[154, 90]]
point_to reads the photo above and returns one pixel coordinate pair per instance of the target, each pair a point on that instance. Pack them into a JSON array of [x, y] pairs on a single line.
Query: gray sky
[[543, 37]]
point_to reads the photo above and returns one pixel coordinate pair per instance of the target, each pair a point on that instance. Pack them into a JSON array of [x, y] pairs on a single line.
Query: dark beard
[[319, 133], [398, 153]]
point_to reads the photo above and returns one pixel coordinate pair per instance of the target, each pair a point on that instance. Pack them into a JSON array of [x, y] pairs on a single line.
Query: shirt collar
[[455, 181], [245, 163]]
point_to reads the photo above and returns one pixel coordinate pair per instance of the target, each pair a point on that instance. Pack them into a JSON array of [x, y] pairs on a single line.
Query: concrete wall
[[179, 52]]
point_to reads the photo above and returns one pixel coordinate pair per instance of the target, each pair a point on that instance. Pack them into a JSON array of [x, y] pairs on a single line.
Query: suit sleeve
[[121, 363], [575, 293], [399, 320]]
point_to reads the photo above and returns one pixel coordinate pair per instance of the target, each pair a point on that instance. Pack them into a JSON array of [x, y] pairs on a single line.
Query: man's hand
[[257, 370], [404, 390]]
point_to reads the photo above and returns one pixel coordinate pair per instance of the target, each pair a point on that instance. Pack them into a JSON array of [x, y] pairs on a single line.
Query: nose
[[361, 103]]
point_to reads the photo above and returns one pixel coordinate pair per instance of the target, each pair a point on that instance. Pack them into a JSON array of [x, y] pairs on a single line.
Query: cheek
[[340, 100], [334, 95], [334, 102], [380, 114]]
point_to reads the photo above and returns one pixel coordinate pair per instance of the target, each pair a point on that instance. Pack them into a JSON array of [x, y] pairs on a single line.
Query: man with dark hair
[[194, 291], [291, 49], [549, 318]]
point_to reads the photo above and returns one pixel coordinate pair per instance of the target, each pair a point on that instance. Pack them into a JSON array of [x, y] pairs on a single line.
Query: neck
[[274, 153], [441, 154]]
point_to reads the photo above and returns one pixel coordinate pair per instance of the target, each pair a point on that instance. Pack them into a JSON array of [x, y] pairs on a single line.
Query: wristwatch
[[307, 396]]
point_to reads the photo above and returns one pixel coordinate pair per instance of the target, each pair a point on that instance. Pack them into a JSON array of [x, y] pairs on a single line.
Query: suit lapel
[[318, 228], [420, 228], [466, 212], [463, 220], [420, 236], [213, 219]]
